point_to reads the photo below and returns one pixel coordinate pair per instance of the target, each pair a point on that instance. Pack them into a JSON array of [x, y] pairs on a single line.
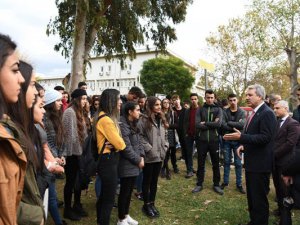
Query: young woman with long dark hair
[[173, 124], [154, 138], [131, 160], [95, 104], [31, 209], [12, 157], [75, 133], [108, 131], [52, 122]]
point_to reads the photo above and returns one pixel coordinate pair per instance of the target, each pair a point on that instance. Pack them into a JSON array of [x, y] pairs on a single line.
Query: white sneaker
[[122, 222], [131, 221]]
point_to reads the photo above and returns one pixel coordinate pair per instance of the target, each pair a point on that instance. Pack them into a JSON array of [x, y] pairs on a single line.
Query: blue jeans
[[139, 182], [52, 204], [98, 186], [229, 147]]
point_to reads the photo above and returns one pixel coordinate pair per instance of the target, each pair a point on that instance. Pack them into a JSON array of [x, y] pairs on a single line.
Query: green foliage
[[281, 19], [166, 76], [118, 26], [275, 80], [238, 53], [253, 49]]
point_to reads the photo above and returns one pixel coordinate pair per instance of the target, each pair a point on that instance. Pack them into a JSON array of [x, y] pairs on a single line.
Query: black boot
[[163, 173], [154, 209], [77, 208], [176, 170], [147, 210], [63, 222], [168, 174], [69, 214]]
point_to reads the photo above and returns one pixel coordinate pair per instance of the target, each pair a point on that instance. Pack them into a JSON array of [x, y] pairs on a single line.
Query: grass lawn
[[177, 205]]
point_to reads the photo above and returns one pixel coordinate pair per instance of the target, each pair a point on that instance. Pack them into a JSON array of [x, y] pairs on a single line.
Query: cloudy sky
[[26, 21]]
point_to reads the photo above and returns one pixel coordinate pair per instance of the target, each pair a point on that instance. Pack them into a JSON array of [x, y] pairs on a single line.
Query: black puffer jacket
[[229, 122], [211, 115], [131, 156]]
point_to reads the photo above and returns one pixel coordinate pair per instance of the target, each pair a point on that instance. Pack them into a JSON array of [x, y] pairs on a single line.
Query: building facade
[[103, 74]]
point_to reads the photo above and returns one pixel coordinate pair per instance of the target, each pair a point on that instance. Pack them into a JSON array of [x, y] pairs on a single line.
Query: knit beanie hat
[[78, 93], [52, 96]]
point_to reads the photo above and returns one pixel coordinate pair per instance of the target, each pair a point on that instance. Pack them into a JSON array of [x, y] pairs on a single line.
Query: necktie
[[279, 123], [249, 120]]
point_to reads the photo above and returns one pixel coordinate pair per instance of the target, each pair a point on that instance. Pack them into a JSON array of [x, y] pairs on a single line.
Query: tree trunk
[[294, 64], [83, 44], [78, 45]]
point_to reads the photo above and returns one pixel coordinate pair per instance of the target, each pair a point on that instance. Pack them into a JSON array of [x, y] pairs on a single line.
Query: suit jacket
[[286, 140], [293, 167], [258, 141], [296, 114]]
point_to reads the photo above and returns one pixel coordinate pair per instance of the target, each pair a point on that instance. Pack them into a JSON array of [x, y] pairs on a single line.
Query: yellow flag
[[205, 65]]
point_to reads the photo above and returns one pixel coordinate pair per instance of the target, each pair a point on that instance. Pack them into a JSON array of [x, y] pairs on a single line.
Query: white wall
[[108, 74]]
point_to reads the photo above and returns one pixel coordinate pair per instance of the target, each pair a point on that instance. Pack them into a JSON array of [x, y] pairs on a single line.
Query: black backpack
[[88, 161]]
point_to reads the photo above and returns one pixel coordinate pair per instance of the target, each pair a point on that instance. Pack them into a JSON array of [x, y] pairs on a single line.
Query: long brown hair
[[108, 104], [55, 116], [151, 115], [22, 116], [81, 126]]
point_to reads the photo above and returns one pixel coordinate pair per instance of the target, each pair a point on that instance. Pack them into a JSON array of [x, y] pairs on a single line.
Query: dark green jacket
[[211, 115]]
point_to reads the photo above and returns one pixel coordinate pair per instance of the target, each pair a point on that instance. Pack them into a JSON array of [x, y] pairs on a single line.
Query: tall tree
[[282, 25], [275, 79], [112, 27], [166, 76], [238, 53]]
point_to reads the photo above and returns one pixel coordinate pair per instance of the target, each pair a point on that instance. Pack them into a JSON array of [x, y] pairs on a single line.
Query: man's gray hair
[[260, 90], [283, 103]]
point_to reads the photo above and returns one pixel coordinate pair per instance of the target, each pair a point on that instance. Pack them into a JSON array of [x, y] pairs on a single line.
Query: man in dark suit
[[285, 140], [257, 142]]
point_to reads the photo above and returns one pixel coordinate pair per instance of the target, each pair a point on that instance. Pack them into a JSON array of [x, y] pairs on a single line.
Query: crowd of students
[[43, 134]]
